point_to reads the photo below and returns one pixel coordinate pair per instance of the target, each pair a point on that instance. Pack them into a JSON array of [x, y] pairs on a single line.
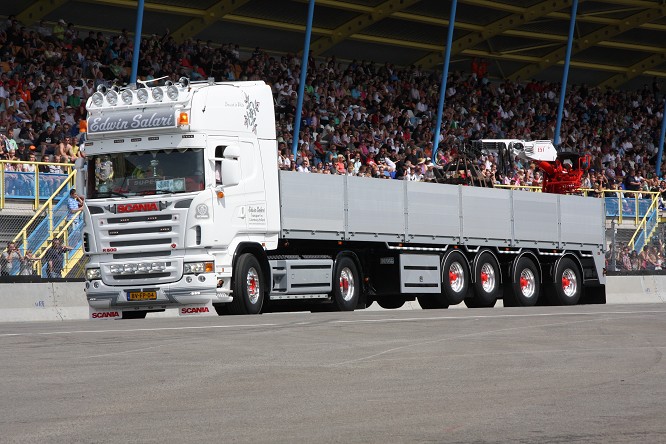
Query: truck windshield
[[146, 172]]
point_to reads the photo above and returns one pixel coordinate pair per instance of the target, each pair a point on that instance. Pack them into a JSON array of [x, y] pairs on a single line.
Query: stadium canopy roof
[[618, 43]]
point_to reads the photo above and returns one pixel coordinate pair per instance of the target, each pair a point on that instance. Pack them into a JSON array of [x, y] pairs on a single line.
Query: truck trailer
[[186, 209]]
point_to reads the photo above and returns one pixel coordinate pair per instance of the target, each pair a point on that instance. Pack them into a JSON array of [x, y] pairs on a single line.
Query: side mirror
[[231, 170]]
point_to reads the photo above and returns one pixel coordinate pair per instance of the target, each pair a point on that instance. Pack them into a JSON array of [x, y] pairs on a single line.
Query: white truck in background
[[186, 210]]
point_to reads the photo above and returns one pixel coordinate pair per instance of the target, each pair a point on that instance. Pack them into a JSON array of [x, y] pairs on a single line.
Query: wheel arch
[[475, 261], [531, 255], [258, 251], [445, 257], [575, 259]]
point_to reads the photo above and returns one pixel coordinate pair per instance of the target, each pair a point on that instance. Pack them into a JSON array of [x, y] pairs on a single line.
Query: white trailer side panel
[[486, 214], [536, 217], [376, 209], [315, 206], [312, 206], [434, 213], [582, 221]]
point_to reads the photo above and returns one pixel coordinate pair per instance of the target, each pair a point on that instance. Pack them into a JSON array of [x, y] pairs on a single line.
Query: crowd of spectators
[[626, 259], [359, 118]]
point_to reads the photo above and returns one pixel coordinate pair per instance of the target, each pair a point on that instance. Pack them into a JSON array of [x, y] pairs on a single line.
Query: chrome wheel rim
[[487, 277], [569, 282], [527, 283], [346, 284], [253, 285], [456, 277]]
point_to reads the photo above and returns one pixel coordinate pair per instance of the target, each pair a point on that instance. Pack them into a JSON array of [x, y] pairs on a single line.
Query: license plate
[[141, 295]]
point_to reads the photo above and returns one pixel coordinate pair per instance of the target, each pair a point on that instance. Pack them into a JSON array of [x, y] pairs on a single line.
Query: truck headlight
[[198, 267], [93, 273]]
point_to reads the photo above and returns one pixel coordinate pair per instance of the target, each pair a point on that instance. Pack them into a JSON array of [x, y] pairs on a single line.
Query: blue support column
[[301, 84], [661, 141], [565, 75], [445, 76], [137, 42]]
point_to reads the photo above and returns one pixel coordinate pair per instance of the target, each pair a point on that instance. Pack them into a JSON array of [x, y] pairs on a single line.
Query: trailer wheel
[[524, 285], [568, 283], [431, 301], [486, 288], [346, 284], [135, 314], [248, 286], [391, 303], [455, 278]]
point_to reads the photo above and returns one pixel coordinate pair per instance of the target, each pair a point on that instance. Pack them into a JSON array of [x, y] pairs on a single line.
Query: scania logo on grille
[[133, 208]]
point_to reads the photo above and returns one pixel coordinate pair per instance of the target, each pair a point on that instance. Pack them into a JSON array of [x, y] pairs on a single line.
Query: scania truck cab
[[166, 208]]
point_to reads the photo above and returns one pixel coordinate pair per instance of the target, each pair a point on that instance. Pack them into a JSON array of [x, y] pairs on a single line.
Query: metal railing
[[623, 204], [50, 221], [646, 227], [35, 186]]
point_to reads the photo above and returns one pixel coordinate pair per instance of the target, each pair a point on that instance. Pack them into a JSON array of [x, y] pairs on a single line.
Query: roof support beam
[[38, 10], [359, 23], [210, 16], [496, 28], [635, 70], [148, 6], [590, 40]]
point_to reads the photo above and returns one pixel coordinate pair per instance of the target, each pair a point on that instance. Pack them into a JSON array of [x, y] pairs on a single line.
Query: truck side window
[[219, 155]]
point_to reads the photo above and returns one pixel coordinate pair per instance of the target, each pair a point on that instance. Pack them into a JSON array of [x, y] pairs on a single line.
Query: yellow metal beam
[[417, 45], [149, 6], [530, 59], [358, 23], [589, 40], [498, 6], [274, 24], [635, 70], [496, 28], [211, 15], [38, 10]]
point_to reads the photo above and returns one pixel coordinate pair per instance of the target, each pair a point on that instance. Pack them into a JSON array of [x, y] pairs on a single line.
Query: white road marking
[[352, 321], [202, 327], [127, 351], [498, 316]]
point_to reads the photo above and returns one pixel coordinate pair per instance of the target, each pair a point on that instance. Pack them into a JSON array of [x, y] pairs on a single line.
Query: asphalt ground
[[588, 374]]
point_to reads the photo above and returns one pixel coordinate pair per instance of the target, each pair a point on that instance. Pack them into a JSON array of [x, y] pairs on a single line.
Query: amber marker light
[[220, 194], [183, 119]]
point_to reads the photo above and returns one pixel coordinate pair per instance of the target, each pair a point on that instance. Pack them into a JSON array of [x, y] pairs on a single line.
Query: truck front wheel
[[248, 286], [346, 284]]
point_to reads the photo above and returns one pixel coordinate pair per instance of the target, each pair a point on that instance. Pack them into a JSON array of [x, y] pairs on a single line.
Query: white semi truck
[[186, 209]]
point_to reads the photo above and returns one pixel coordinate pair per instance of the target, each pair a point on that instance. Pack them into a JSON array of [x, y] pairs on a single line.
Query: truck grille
[[138, 239]]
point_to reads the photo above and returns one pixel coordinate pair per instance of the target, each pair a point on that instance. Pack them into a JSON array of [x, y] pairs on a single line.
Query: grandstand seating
[[383, 114]]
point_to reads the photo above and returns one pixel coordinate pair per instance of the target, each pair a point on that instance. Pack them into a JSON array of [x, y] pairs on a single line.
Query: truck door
[[229, 201]]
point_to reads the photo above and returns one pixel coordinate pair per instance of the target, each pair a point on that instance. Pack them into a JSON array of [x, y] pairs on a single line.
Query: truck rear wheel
[[346, 284], [487, 288], [248, 286], [568, 284], [525, 286], [455, 278]]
